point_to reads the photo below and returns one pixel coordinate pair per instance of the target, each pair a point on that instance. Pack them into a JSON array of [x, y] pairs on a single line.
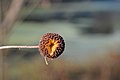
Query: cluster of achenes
[[51, 45]]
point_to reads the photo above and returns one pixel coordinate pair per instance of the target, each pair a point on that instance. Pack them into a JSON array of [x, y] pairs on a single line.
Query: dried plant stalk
[[7, 47]]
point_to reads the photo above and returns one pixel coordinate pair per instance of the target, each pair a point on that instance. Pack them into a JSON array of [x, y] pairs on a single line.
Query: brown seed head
[[51, 45]]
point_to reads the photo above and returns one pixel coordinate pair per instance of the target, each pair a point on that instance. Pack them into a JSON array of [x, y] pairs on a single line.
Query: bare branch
[[10, 18]]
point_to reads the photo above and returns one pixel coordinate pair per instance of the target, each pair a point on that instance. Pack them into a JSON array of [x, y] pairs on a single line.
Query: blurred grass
[[35, 69], [61, 69]]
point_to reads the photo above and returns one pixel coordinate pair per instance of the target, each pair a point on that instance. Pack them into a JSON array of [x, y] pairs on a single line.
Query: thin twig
[[7, 47], [46, 61]]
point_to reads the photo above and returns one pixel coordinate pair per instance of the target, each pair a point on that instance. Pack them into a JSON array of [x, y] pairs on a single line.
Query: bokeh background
[[90, 28]]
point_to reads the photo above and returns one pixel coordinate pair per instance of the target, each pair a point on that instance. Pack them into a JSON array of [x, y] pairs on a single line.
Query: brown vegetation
[[34, 68]]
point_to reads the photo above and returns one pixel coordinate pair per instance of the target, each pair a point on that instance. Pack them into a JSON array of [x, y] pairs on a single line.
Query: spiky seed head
[[51, 45]]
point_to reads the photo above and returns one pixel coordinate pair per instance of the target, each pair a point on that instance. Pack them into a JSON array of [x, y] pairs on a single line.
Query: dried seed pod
[[51, 45]]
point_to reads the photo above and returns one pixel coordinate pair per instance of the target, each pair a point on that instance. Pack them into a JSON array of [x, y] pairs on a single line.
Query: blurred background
[[90, 29]]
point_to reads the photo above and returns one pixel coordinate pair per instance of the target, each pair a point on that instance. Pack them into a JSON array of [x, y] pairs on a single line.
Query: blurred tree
[[45, 3], [9, 10], [8, 17]]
